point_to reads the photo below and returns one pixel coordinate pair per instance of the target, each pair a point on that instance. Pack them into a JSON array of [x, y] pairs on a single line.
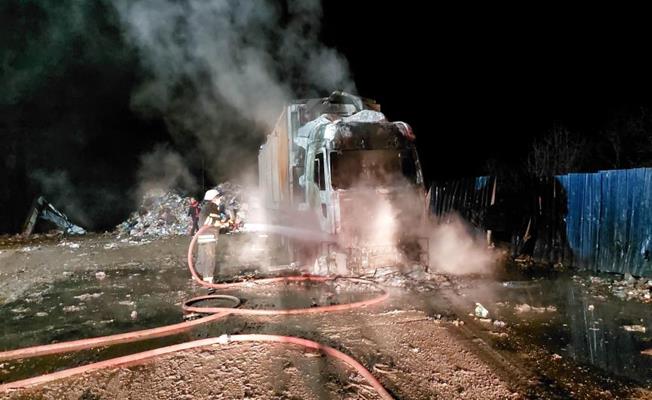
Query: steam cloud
[[220, 71], [377, 215], [455, 249]]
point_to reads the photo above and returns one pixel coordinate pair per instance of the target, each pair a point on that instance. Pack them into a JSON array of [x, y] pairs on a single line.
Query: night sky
[[480, 84], [475, 85]]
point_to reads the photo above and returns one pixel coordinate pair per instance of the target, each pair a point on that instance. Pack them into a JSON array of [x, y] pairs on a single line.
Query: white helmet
[[211, 194]]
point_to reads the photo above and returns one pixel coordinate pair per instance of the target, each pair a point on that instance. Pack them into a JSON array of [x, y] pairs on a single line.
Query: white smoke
[[454, 248], [162, 170], [222, 70], [61, 191]]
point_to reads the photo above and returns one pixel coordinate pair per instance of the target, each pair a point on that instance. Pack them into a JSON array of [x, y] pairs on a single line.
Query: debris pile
[[166, 213], [160, 214], [625, 287], [416, 279]]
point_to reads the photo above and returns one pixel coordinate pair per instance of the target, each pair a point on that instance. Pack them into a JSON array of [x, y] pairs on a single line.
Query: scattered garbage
[[556, 356], [525, 308], [166, 213], [480, 311], [501, 335], [591, 307], [87, 296], [500, 324], [69, 245], [634, 328], [100, 275], [520, 284], [625, 287], [27, 249], [134, 314]]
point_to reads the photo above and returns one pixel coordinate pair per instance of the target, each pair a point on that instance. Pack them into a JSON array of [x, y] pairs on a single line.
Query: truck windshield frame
[[375, 168]]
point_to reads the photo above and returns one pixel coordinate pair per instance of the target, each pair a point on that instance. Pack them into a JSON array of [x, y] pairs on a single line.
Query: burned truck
[[342, 164]]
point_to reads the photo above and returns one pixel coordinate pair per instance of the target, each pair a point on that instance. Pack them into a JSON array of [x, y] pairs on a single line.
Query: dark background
[[479, 84], [476, 84]]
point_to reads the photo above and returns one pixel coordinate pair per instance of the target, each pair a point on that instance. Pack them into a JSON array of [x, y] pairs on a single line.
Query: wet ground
[[558, 314], [543, 337], [570, 338]]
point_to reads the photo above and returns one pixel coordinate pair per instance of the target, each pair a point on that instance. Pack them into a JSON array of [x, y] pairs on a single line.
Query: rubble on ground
[[625, 287], [159, 214], [634, 328], [526, 308], [166, 213], [53, 236], [416, 278], [480, 311]]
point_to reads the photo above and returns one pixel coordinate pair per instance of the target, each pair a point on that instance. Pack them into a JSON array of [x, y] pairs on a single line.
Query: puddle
[[566, 320], [293, 295], [81, 306]]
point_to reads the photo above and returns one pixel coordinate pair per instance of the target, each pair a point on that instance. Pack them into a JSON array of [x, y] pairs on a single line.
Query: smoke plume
[[219, 72], [163, 169]]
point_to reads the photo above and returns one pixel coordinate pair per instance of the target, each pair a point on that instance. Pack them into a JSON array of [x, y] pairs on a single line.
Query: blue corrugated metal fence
[[599, 221]]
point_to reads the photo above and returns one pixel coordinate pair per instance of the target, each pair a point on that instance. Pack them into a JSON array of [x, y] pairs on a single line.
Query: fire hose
[[214, 313]]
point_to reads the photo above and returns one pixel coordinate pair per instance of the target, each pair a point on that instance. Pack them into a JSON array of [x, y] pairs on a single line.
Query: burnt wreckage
[[356, 174], [42, 210]]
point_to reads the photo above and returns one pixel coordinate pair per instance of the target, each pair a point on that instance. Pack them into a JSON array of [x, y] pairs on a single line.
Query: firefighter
[[211, 210], [207, 241]]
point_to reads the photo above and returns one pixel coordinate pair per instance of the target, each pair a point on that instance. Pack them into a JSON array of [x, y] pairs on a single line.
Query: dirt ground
[[420, 344]]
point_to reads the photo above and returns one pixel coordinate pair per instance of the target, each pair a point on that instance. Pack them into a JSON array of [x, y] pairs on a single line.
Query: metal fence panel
[[600, 221]]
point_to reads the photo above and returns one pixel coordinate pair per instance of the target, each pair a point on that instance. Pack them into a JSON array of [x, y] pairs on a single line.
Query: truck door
[[319, 178]]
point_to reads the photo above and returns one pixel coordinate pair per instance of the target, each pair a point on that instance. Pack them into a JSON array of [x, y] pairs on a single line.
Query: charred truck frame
[[334, 158]]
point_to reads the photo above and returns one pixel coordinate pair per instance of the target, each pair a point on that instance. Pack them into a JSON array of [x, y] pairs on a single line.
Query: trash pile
[[160, 214], [627, 288], [167, 213]]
